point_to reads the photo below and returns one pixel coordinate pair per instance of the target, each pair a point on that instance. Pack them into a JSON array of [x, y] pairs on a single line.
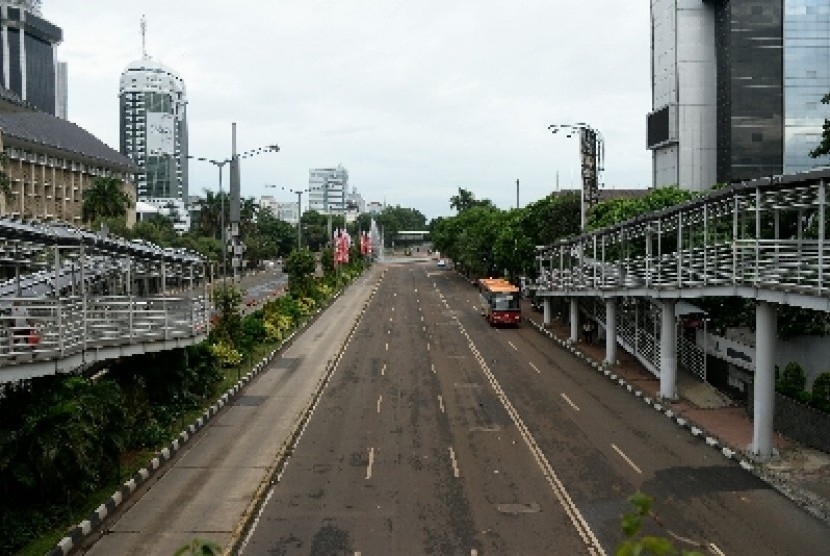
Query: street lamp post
[[592, 154], [220, 164]]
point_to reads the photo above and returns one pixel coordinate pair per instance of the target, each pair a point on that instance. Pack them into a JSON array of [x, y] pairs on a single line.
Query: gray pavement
[[797, 471]]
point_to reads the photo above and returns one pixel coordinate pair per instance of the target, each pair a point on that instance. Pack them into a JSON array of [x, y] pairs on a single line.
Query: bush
[[792, 381], [820, 398]]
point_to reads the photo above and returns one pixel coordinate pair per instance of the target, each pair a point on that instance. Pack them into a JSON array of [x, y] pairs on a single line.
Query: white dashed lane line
[[627, 459], [512, 345], [570, 403], [535, 368]]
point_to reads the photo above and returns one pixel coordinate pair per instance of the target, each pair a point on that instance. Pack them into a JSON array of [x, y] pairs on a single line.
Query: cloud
[[416, 99]]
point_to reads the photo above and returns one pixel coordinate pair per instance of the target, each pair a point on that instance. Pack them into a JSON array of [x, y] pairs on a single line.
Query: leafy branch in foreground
[[199, 547], [637, 543]]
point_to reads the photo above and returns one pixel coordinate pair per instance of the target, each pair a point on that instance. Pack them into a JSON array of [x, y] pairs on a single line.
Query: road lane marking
[[535, 368], [455, 471], [441, 403], [427, 346], [513, 346], [371, 461], [714, 548], [567, 399], [383, 370], [422, 318], [577, 519], [432, 366], [387, 346], [626, 458], [380, 399]]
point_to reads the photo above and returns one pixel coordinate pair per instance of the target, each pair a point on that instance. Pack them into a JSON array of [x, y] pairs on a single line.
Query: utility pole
[[517, 193]]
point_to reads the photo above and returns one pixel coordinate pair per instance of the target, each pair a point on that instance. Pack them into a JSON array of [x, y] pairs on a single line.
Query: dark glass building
[[28, 54], [736, 89]]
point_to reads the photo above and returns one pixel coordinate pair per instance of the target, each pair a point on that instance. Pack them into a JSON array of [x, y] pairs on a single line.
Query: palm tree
[[105, 199], [210, 213]]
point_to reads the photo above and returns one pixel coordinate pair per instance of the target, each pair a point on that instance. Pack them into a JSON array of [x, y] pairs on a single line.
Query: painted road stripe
[[380, 399], [513, 346], [455, 471], [567, 399], [714, 548], [626, 458], [387, 346], [441, 403], [371, 461], [535, 368], [432, 366], [383, 370]]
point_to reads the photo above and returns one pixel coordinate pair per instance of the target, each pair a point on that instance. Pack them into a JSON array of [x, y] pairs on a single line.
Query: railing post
[[705, 245], [757, 234], [679, 249], [734, 238], [822, 210]]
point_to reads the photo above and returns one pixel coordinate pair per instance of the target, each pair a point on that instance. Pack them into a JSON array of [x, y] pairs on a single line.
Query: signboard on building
[[160, 132]]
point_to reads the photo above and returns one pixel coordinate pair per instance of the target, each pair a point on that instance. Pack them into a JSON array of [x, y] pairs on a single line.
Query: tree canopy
[[823, 149], [105, 198]]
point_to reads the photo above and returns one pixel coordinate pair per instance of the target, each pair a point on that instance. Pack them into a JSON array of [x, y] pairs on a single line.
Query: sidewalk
[[800, 473]]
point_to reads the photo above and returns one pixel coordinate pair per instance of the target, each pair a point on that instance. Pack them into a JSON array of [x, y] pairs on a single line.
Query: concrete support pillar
[[766, 324], [668, 352], [611, 331], [546, 308], [574, 320]]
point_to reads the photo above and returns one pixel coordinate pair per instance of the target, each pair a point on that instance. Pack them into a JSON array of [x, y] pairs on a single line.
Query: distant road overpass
[[412, 235]]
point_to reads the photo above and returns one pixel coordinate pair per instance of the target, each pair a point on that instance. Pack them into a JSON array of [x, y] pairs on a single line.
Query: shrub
[[793, 380], [820, 398]]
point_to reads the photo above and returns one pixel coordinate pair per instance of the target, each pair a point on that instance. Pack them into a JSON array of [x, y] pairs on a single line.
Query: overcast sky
[[416, 98]]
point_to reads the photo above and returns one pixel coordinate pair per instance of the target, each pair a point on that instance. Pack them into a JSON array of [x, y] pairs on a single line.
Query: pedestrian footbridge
[[764, 240], [71, 298]]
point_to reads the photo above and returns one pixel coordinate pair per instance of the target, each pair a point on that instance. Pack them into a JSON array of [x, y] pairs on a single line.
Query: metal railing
[[765, 235], [44, 329]]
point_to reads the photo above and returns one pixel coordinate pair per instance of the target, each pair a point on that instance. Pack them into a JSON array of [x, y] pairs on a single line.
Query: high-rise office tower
[[28, 55], [328, 190], [736, 88], [153, 114]]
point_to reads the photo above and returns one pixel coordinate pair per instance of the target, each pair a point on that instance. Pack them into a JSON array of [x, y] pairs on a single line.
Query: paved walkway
[[800, 473]]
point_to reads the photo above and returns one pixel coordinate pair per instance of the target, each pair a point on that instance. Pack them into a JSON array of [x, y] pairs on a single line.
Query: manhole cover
[[250, 400]]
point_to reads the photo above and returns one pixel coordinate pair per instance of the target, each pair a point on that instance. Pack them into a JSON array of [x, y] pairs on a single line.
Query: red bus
[[500, 303]]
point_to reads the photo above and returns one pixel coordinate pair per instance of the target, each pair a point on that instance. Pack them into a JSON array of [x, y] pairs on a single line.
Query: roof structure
[[498, 285], [45, 132]]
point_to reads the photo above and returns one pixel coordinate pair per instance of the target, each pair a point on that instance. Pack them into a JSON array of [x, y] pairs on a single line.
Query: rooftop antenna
[[144, 36]]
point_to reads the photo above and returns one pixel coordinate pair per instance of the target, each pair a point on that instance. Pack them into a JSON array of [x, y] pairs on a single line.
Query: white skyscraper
[[153, 114], [328, 190]]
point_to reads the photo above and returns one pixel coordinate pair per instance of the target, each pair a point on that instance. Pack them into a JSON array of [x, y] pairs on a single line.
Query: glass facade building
[[806, 80], [736, 89], [28, 54], [154, 129]]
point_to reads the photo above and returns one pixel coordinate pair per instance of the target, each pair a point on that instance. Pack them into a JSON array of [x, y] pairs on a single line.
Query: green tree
[[105, 198], [209, 214], [300, 267], [465, 200], [397, 218], [823, 148]]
